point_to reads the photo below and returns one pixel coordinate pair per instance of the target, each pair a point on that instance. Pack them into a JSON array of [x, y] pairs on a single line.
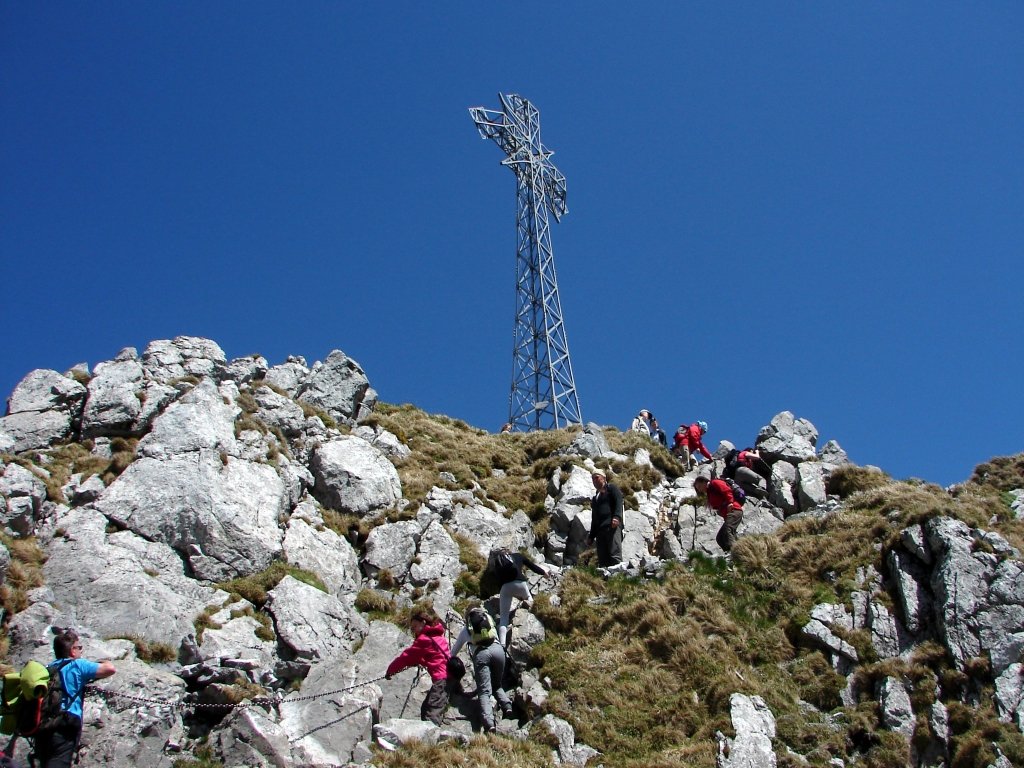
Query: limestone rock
[[353, 476], [223, 517], [121, 584], [339, 387], [787, 438], [113, 405], [289, 375], [203, 418], [43, 409], [754, 725], [325, 553], [314, 624], [167, 361]]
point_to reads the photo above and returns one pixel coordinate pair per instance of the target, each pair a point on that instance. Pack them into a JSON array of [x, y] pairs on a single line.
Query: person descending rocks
[[507, 568], [642, 423], [429, 650], [488, 664], [688, 441], [57, 748], [750, 471], [724, 503], [606, 520]]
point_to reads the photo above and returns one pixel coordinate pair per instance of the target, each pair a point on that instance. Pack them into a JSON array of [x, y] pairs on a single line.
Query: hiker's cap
[[600, 472]]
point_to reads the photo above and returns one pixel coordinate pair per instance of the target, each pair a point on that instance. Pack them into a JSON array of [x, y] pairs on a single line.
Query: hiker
[[688, 441], [606, 520], [488, 664], [508, 569], [57, 748], [750, 471], [720, 498], [641, 423], [429, 650], [507, 428], [657, 433]]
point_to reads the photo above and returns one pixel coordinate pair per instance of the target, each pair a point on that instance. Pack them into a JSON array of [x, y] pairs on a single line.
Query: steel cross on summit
[[543, 394]]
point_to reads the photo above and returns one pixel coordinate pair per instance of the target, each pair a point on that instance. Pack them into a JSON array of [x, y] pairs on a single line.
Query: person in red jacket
[[429, 650], [721, 500], [688, 441]]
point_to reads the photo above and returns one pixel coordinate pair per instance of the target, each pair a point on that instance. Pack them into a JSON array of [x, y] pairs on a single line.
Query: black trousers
[[57, 749]]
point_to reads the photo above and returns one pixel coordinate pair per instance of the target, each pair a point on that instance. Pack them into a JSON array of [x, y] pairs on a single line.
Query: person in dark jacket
[[606, 520], [57, 749], [429, 650], [720, 499], [513, 584]]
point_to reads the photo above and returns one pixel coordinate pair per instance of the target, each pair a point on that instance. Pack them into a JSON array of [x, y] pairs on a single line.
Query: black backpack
[[732, 463], [501, 563]]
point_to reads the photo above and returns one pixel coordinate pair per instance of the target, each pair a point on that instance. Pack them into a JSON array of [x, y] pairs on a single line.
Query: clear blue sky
[[815, 207]]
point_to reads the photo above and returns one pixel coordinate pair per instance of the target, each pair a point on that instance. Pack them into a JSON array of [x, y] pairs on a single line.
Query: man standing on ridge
[[606, 520]]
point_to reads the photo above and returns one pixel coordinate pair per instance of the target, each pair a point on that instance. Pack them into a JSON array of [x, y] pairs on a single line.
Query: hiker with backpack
[[488, 664], [56, 743], [657, 433], [641, 423], [688, 441], [606, 517], [722, 499], [749, 470], [507, 568], [429, 650]]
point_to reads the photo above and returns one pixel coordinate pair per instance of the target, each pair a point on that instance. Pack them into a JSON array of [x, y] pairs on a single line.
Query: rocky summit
[[246, 541]]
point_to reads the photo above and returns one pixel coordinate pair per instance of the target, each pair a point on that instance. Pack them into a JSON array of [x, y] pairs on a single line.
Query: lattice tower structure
[[543, 392]]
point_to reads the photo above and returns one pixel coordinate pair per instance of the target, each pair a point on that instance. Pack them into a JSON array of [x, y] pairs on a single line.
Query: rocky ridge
[[210, 471]]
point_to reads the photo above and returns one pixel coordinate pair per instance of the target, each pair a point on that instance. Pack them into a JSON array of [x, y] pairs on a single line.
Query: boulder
[[221, 516], [391, 547], [203, 418], [167, 361], [121, 584], [353, 476], [44, 408], [590, 443], [754, 726], [312, 623], [339, 387], [289, 375], [325, 553], [787, 438], [114, 403]]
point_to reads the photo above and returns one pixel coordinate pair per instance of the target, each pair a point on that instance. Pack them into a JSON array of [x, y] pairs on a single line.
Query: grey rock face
[[787, 438], [223, 517], [203, 418], [23, 496], [754, 725], [278, 411], [120, 583], [289, 375], [167, 361], [392, 547], [784, 482], [568, 751], [812, 478], [313, 624], [832, 453], [114, 403], [384, 441], [243, 370], [353, 476], [591, 443], [897, 713], [325, 553], [340, 387], [43, 409]]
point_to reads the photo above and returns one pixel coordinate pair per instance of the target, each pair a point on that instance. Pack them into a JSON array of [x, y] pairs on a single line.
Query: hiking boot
[[508, 713]]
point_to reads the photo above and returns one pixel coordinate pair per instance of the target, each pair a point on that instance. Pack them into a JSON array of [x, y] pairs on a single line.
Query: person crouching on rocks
[[429, 650], [721, 500]]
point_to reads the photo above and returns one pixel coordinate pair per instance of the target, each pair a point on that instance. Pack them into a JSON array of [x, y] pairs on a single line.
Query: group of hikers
[[746, 473], [487, 644]]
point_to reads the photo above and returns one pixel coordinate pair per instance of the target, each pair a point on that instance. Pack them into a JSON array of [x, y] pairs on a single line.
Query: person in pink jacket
[[429, 650], [688, 441]]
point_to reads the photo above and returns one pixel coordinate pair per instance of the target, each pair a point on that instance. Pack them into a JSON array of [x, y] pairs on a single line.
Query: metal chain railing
[[273, 701]]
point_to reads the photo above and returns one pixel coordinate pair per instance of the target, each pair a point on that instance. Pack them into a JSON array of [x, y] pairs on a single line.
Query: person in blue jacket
[[57, 749]]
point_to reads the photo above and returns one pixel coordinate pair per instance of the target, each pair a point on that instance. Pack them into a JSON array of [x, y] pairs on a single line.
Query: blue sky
[[814, 207]]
